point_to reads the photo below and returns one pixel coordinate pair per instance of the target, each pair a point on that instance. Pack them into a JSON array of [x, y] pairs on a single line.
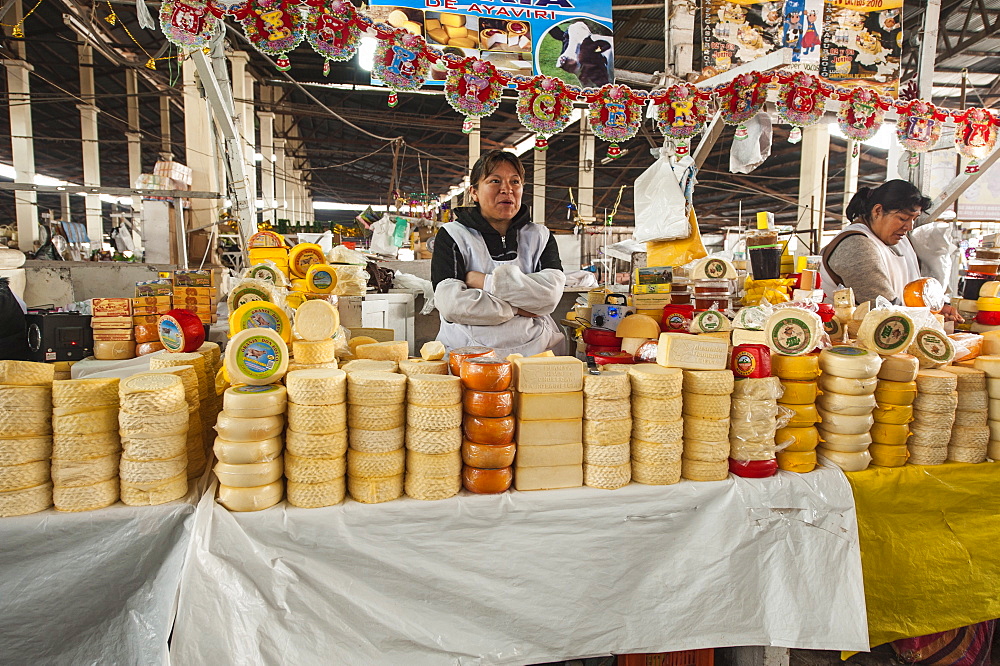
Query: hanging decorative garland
[[680, 114], [274, 27], [331, 30], [801, 102], [614, 116], [918, 128], [544, 106], [401, 62], [975, 136], [189, 24], [861, 114], [741, 99], [473, 88]]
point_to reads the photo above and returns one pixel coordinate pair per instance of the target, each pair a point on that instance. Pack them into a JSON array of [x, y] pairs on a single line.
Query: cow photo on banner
[[571, 40]]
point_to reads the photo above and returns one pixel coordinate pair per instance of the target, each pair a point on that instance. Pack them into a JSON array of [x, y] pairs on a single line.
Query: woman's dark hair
[[486, 164], [893, 195]]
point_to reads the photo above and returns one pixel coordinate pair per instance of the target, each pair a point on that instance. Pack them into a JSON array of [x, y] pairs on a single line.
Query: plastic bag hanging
[[400, 62], [741, 99], [332, 30], [473, 88], [544, 106], [975, 136], [680, 115], [273, 27], [614, 116], [861, 114]]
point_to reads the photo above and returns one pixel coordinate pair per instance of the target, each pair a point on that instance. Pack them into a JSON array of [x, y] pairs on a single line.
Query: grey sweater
[[858, 263]]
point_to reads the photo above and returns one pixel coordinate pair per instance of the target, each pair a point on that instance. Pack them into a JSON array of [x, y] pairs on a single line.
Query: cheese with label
[[759, 388], [793, 331], [692, 352], [559, 374], [850, 362], [899, 368], [849, 462], [548, 456], [548, 432], [251, 499], [798, 393], [845, 424], [840, 403], [548, 478], [797, 439], [800, 462], [795, 368], [261, 314], [751, 318], [235, 429], [541, 406], [710, 321], [302, 256], [932, 348], [886, 332], [432, 351], [321, 279], [250, 401], [256, 356], [316, 320], [714, 268]]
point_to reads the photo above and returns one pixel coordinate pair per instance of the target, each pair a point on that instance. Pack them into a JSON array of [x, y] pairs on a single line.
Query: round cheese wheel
[[607, 477], [793, 331], [800, 462], [249, 475], [375, 490], [492, 404], [896, 393], [753, 469], [484, 430], [850, 362], [845, 424], [656, 381], [886, 332], [303, 469], [317, 386], [796, 368], [708, 382], [889, 433], [28, 500], [321, 279], [236, 429], [609, 455], [848, 385], [797, 439], [434, 418], [925, 455], [894, 414], [256, 356], [803, 416], [434, 465], [847, 443], [703, 470], [314, 352], [706, 406], [705, 430], [260, 314], [655, 409], [486, 374], [707, 451], [969, 379], [370, 465], [456, 356], [798, 392], [899, 368], [839, 403], [251, 499], [316, 320], [242, 453], [418, 366], [849, 462], [763, 388], [605, 433], [434, 390], [149, 393], [609, 385], [888, 455], [655, 453], [302, 256], [249, 401], [935, 402], [486, 481], [656, 474], [114, 350], [180, 331], [375, 388], [317, 495], [936, 382], [326, 445], [430, 488]]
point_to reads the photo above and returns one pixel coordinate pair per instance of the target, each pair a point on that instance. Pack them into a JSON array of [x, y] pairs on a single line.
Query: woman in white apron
[[873, 255], [497, 276]]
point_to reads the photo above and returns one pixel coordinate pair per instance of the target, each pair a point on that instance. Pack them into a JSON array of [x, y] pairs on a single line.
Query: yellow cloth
[[677, 252], [930, 547]]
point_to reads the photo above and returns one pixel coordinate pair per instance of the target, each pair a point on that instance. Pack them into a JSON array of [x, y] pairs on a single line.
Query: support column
[[538, 189], [267, 164], [199, 145], [166, 142], [475, 145], [585, 195], [280, 169], [851, 174], [133, 135], [812, 185], [679, 33], [91, 146], [22, 149], [243, 98]]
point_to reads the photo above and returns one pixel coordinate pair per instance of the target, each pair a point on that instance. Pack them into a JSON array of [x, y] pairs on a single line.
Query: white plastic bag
[[382, 238], [660, 211]]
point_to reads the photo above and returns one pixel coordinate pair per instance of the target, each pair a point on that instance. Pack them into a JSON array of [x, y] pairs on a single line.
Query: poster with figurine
[[862, 43], [737, 32]]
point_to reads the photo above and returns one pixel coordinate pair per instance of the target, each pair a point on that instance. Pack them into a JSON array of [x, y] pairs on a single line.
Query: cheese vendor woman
[[497, 275], [873, 255]]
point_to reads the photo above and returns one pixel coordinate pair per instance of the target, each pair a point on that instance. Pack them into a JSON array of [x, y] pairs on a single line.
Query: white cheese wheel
[[839, 403], [149, 393], [256, 356], [656, 474], [147, 474], [432, 351], [932, 348], [327, 445], [655, 431], [430, 417], [375, 490], [744, 450], [612, 455], [431, 488], [655, 380], [706, 451], [93, 392], [379, 441], [751, 430], [189, 379], [249, 475], [608, 410], [248, 401], [607, 432], [85, 498], [745, 410], [975, 417], [242, 453], [367, 465], [970, 437], [317, 419], [418, 366], [26, 475], [930, 436], [988, 364], [886, 332], [85, 446], [19, 450], [847, 385], [368, 365], [167, 423], [656, 453], [654, 409], [376, 388], [793, 331], [397, 350], [318, 386], [706, 430], [251, 499], [762, 388], [316, 319], [935, 402], [702, 470], [26, 373], [922, 455], [377, 417], [434, 465], [849, 462], [311, 352], [152, 495], [936, 382], [607, 477], [236, 429], [969, 379], [98, 420], [292, 366], [69, 473], [316, 495], [850, 362], [967, 454], [708, 382], [28, 500], [611, 385], [844, 424], [433, 390], [428, 441], [706, 406], [899, 368]]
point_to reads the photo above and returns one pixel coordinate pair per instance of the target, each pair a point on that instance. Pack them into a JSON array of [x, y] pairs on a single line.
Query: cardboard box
[[206, 293], [139, 320], [154, 288], [111, 307], [151, 310], [114, 334], [151, 301], [207, 318], [101, 323], [194, 278]]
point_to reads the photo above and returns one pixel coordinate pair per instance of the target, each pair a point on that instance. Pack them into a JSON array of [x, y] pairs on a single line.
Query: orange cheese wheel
[[484, 430], [486, 373], [486, 481], [456, 357], [148, 348], [147, 333], [488, 456], [492, 404]]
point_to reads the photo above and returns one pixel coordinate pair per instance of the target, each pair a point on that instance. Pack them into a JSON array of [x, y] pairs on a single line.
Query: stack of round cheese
[[316, 439], [153, 422], [970, 436], [315, 323], [208, 408], [848, 382], [85, 467], [488, 449], [434, 432], [376, 416], [991, 366], [658, 428], [606, 463], [933, 416], [212, 354], [197, 459], [248, 447], [25, 437], [799, 390], [894, 394]]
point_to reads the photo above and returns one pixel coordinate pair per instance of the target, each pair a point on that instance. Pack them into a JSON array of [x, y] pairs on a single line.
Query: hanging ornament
[[800, 103], [680, 115], [919, 126], [975, 136], [614, 116], [273, 27], [190, 24], [401, 63], [861, 114], [741, 99], [544, 106], [473, 88], [332, 30]]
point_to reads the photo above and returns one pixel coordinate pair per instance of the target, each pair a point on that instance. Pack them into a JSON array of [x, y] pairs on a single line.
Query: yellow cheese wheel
[[261, 314], [894, 414], [896, 393], [800, 462], [796, 368], [889, 455], [888, 433], [802, 439], [805, 416], [798, 392]]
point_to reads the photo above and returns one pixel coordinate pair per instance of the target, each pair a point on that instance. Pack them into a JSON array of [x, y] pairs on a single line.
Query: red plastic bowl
[[601, 337]]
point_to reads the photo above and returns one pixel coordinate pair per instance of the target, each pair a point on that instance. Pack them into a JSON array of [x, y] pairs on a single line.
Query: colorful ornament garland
[[975, 136], [401, 63], [741, 99], [800, 102], [861, 114], [274, 27], [681, 114], [189, 24], [473, 89], [544, 107], [332, 30], [615, 116]]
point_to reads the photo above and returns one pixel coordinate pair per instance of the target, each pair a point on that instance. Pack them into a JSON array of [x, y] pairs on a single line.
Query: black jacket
[[448, 262]]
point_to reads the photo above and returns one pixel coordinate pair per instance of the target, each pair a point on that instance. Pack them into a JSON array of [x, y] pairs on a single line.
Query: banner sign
[[571, 40], [862, 43]]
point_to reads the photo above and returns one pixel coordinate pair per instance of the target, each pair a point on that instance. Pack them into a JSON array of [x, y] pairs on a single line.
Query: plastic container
[[753, 469], [720, 287], [714, 302], [765, 263], [680, 298]]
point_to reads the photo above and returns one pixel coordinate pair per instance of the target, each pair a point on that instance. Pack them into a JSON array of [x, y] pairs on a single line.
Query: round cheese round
[[242, 453], [850, 362], [617, 431], [844, 424], [888, 455], [845, 442], [654, 409], [434, 390], [430, 488], [430, 441], [316, 495], [795, 368], [236, 429], [656, 474], [607, 455], [327, 445], [249, 475], [793, 331], [706, 451], [249, 401], [800, 462], [85, 498], [256, 356], [486, 481], [251, 499], [894, 414], [708, 382], [797, 439], [936, 382], [849, 462], [839, 403], [314, 470], [899, 368], [797, 393], [702, 470], [848, 386], [608, 477], [376, 441], [25, 501]]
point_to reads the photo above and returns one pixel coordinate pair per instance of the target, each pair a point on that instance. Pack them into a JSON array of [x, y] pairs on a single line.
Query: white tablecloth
[[98, 587], [527, 577]]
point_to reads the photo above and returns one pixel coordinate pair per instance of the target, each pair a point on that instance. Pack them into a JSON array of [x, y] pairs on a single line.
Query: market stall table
[[929, 538], [527, 577], [92, 587]]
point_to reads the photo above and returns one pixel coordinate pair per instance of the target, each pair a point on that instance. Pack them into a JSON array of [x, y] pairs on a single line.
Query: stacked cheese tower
[[434, 432], [195, 436], [316, 439], [848, 382], [606, 397], [248, 447], [376, 417], [487, 425], [752, 413], [85, 469], [431, 361], [970, 436], [200, 419], [991, 366], [314, 325], [933, 416], [549, 421], [25, 437], [894, 396], [658, 429], [799, 386], [706, 439], [153, 423], [111, 321], [212, 405]]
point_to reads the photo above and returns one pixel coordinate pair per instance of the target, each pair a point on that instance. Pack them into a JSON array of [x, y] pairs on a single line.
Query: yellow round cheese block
[[304, 255], [321, 279], [261, 314], [800, 462]]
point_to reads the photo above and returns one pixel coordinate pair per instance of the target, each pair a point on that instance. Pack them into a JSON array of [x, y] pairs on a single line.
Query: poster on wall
[[862, 43], [737, 32], [572, 40]]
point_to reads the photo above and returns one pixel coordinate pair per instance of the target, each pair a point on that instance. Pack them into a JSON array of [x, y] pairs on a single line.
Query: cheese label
[[751, 318], [715, 268], [260, 314], [258, 357], [265, 272], [744, 363], [932, 344], [303, 256], [676, 322], [266, 388], [248, 293], [891, 336], [322, 280], [709, 321], [791, 335], [171, 335]]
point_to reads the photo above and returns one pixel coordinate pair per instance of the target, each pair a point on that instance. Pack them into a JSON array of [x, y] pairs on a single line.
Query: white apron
[[522, 335], [901, 268]]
